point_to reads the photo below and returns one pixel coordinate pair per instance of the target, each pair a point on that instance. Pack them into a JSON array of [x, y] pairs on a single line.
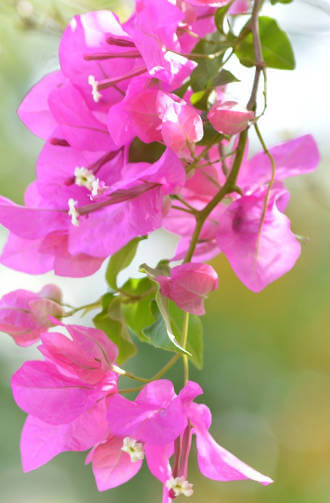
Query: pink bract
[[188, 286], [229, 118], [155, 417], [25, 315], [76, 374], [260, 250]]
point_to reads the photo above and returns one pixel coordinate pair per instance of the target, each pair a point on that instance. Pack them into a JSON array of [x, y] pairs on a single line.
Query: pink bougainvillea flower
[[79, 125], [143, 428], [96, 48], [240, 7], [66, 395], [198, 20], [38, 240], [34, 110], [25, 315], [260, 250], [298, 156], [294, 157], [41, 441], [133, 208], [138, 114], [154, 115], [155, 417], [111, 465], [209, 3], [158, 425], [153, 29], [214, 461], [228, 117], [76, 374], [181, 125], [78, 245], [69, 173], [188, 286], [118, 459]]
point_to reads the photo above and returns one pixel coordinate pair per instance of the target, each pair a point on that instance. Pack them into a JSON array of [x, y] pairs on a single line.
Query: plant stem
[[271, 181], [145, 380], [92, 305], [228, 187], [259, 61]]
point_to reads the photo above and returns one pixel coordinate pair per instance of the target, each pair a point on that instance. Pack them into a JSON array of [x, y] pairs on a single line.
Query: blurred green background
[[267, 355]]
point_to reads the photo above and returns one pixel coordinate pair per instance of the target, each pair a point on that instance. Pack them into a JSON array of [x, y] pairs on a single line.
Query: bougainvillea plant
[[141, 133]]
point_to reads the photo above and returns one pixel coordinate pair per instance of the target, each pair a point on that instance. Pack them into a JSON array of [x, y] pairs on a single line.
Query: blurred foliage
[[267, 356]]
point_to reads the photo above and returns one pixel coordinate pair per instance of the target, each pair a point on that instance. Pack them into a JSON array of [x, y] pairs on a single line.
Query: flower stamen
[[133, 448], [73, 212], [178, 486]]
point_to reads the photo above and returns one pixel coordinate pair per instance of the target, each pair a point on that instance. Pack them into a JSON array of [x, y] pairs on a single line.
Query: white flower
[[133, 448], [73, 212], [95, 92], [180, 486]]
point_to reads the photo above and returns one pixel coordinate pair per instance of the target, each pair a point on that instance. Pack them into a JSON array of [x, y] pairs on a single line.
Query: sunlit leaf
[[276, 47]]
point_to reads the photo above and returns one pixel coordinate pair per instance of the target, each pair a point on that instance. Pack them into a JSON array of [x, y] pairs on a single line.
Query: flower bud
[[189, 285], [229, 117], [25, 315]]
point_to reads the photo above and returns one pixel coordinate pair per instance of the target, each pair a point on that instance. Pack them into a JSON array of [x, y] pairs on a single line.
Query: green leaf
[[111, 321], [195, 341], [120, 261], [163, 305], [195, 333], [161, 269], [145, 152], [138, 312], [224, 77], [182, 90], [211, 136], [220, 15], [200, 99], [207, 69], [276, 47], [157, 334]]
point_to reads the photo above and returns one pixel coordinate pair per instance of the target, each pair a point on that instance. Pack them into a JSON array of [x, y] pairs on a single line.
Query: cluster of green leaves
[[138, 310]]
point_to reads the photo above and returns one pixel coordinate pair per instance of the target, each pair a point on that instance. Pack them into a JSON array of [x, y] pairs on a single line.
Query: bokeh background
[[267, 355]]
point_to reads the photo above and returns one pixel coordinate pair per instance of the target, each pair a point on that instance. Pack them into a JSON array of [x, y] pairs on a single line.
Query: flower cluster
[[122, 88], [73, 404], [116, 83]]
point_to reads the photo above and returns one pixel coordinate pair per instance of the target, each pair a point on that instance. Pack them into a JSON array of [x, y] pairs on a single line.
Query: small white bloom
[[84, 177], [73, 212], [180, 486], [96, 188], [95, 92], [133, 448]]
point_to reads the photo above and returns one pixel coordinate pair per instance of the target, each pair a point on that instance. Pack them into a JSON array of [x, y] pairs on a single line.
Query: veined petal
[[40, 442], [217, 463], [42, 391], [111, 466]]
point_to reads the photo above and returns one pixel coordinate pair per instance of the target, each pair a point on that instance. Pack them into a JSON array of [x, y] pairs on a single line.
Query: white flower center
[[95, 92], [73, 212], [84, 177], [180, 486], [133, 448]]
